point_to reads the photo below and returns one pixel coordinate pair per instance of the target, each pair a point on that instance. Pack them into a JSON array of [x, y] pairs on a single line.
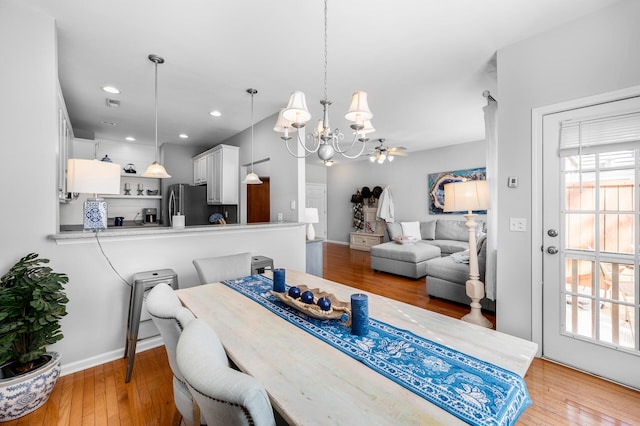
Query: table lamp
[[93, 177], [311, 217], [469, 196]]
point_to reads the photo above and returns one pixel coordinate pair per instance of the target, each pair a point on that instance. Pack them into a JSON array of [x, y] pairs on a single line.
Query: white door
[[316, 196], [591, 176]]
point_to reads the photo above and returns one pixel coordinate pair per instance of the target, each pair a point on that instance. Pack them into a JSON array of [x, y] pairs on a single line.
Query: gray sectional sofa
[[431, 256]]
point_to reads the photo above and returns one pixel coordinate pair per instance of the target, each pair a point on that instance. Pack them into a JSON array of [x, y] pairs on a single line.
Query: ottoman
[[409, 260]]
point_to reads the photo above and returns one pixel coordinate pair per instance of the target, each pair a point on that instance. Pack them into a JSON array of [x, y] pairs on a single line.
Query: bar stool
[[260, 263], [142, 283]]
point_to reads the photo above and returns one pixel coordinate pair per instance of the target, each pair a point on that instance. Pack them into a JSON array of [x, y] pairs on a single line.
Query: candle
[[140, 187], [278, 280], [359, 314], [127, 186]]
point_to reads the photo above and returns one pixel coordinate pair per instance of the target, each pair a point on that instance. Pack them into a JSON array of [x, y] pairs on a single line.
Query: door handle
[[552, 250], [552, 233]]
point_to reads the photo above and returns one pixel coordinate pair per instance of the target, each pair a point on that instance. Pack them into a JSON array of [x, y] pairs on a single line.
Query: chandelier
[[323, 140]]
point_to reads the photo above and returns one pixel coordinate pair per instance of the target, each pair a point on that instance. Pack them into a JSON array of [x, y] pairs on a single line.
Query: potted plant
[[32, 302]]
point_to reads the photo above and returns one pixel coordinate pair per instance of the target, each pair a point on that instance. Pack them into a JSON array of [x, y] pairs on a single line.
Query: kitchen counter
[[146, 231]]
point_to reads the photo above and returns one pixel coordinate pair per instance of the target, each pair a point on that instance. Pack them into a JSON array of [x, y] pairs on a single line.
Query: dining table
[[310, 382]]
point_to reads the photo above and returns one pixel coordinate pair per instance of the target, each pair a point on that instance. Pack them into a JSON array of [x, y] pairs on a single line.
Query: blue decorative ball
[[324, 303], [307, 297], [294, 292]]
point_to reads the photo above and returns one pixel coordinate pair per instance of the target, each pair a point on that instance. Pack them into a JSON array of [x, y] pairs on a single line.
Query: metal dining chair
[[170, 317], [216, 269], [225, 396]]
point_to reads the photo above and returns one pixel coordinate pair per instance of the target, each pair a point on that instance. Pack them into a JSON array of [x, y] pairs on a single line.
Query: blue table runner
[[473, 390]]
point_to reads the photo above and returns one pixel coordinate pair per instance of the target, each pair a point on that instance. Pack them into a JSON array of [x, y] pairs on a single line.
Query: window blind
[[612, 133]]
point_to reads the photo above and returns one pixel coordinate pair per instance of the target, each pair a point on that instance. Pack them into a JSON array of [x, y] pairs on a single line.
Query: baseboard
[[344, 243], [83, 364]]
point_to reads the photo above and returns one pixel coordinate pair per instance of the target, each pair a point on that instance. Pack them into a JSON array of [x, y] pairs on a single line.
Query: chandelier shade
[[359, 110], [283, 125], [296, 111]]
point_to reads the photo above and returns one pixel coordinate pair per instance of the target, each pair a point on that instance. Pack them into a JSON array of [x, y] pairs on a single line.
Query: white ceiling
[[424, 63]]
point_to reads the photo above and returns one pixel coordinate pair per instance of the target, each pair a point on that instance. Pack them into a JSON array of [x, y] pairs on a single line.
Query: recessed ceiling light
[[183, 136], [111, 89], [130, 138], [215, 113], [108, 123]]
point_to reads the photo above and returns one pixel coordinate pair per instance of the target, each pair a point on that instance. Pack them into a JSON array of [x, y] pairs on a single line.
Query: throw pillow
[[428, 230], [411, 229], [394, 230], [452, 230]]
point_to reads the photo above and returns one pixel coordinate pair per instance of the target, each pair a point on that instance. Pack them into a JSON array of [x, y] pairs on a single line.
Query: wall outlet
[[517, 224], [280, 217]]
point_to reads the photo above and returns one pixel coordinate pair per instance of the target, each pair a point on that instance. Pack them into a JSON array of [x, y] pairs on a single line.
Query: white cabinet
[[64, 148], [219, 169], [223, 169], [200, 169]]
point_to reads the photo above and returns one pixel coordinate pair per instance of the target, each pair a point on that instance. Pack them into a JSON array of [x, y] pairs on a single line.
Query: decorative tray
[[338, 307]]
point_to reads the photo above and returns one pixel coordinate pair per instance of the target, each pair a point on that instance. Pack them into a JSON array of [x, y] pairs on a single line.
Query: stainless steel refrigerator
[[191, 201]]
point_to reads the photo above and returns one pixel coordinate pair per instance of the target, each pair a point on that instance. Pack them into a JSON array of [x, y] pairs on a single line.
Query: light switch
[[293, 204], [517, 224]]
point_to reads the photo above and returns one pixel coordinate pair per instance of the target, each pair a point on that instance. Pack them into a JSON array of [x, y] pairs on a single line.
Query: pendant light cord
[[156, 107], [252, 93]]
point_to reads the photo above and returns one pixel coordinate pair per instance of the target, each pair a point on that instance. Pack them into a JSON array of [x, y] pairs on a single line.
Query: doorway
[[316, 196], [259, 201], [589, 234]]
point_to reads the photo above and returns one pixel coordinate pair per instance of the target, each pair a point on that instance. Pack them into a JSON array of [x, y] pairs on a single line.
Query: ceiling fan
[[383, 153]]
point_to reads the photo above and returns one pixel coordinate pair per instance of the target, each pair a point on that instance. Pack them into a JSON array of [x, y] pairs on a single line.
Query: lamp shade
[[359, 110], [296, 110], [466, 196], [311, 215], [156, 170], [252, 179], [368, 128], [93, 176], [283, 125]]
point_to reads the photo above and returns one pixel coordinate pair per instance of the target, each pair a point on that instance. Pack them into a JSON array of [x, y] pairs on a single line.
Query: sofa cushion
[[414, 253], [394, 229], [428, 230], [411, 229], [451, 230], [448, 247], [446, 268]]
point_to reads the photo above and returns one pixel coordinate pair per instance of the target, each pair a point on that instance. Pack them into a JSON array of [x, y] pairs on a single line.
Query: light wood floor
[[99, 396]]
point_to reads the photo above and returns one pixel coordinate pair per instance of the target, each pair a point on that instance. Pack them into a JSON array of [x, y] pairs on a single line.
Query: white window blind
[[602, 134]]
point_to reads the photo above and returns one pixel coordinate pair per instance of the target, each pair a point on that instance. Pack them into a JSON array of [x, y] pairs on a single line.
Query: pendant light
[[156, 170], [252, 178]]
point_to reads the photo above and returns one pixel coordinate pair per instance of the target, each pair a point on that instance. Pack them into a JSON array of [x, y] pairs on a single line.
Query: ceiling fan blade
[[400, 154], [397, 148]]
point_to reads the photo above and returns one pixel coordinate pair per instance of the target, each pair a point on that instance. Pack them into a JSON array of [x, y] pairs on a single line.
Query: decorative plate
[[338, 307]]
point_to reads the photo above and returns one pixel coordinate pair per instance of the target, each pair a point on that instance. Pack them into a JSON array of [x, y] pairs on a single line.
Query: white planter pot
[[23, 394]]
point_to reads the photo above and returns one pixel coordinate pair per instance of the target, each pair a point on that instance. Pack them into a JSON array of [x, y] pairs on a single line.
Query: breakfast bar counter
[[167, 231]]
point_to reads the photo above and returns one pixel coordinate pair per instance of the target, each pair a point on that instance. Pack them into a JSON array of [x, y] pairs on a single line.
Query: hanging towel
[[385, 206]]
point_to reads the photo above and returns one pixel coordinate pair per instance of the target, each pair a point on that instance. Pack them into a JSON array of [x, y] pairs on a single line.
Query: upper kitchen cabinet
[[200, 168], [64, 148], [221, 173]]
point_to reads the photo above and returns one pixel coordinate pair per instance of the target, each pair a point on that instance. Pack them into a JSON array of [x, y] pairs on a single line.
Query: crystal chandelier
[[323, 140]]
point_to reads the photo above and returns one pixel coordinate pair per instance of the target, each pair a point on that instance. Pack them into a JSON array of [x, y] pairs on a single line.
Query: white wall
[[596, 54], [284, 169], [407, 176], [316, 173]]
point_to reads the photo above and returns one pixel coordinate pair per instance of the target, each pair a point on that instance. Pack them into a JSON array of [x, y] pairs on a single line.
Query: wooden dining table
[[310, 382]]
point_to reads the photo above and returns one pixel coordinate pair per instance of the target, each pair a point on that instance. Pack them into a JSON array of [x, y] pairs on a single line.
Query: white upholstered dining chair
[[170, 317], [225, 396], [219, 268]]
